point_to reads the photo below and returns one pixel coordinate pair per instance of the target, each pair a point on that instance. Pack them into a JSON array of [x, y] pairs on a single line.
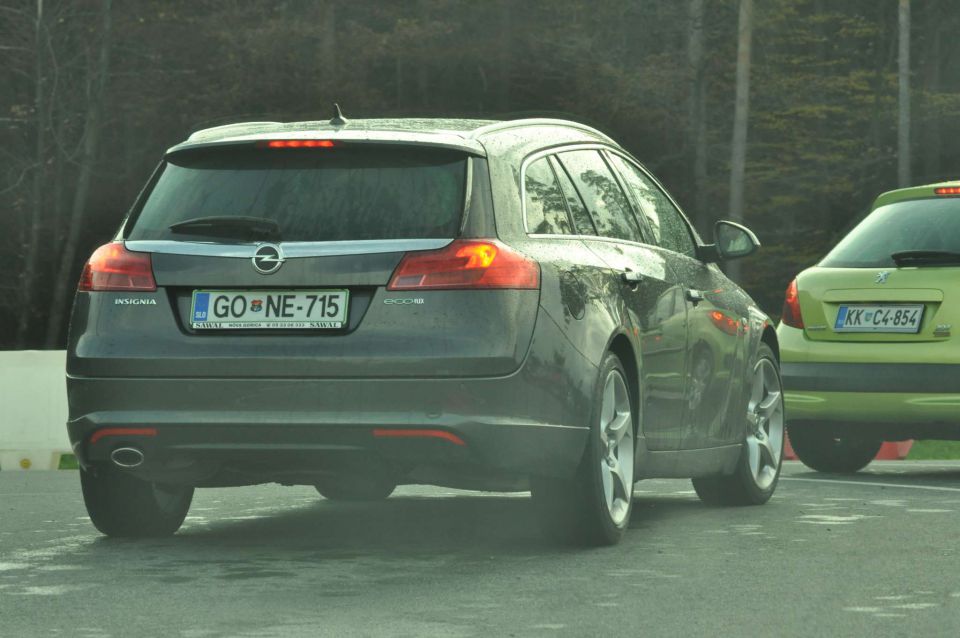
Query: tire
[[758, 468], [352, 488], [122, 505], [824, 451], [593, 507]]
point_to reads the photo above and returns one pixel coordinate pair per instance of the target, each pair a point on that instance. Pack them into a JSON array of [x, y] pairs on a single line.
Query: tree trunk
[[697, 114], [930, 126], [328, 50], [66, 279], [738, 153], [903, 127], [28, 277]]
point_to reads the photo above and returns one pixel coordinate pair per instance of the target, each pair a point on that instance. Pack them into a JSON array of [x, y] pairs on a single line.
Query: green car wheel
[[825, 451]]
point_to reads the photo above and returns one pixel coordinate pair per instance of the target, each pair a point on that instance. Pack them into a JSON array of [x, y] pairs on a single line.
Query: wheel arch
[[769, 337], [621, 346]]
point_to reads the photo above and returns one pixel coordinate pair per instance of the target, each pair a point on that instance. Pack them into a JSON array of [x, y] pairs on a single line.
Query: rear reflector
[[300, 144], [99, 434], [947, 190], [384, 433], [466, 263], [791, 307], [113, 267]]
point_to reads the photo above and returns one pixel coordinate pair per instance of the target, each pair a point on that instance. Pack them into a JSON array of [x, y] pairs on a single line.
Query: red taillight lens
[[113, 267], [791, 307], [466, 263], [947, 190], [300, 144]]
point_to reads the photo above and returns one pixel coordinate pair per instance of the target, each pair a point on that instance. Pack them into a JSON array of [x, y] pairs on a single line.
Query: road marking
[[933, 488]]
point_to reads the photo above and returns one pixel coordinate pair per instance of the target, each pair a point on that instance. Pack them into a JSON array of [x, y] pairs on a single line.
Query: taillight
[[791, 307], [113, 267], [947, 190], [466, 263]]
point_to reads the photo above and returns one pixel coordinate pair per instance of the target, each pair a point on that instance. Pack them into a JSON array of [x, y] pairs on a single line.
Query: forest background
[[839, 100]]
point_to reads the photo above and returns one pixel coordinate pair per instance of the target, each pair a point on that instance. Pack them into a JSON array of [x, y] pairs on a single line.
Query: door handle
[[694, 296]]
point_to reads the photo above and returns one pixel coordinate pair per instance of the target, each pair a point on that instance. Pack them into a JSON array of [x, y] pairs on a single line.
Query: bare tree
[[903, 126], [697, 110], [28, 275], [96, 81], [738, 156]]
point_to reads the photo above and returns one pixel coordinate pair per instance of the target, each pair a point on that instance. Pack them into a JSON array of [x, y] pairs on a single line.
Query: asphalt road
[[872, 555]]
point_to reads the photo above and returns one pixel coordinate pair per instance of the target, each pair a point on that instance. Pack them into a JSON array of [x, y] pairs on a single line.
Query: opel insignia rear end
[[357, 306]]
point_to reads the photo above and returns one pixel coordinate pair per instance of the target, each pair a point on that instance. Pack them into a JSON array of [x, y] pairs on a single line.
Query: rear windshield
[[924, 224], [312, 194]]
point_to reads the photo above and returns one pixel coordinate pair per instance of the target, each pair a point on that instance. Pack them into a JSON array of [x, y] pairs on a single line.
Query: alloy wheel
[[616, 447], [765, 420]]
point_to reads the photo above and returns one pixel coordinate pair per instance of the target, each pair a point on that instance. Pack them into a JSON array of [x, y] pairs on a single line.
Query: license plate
[[879, 318], [274, 309]]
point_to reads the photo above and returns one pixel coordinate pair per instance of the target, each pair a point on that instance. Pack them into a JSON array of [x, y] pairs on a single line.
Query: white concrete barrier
[[33, 409]]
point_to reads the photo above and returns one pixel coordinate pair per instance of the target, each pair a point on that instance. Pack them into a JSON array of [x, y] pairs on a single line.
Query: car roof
[[926, 191], [468, 135]]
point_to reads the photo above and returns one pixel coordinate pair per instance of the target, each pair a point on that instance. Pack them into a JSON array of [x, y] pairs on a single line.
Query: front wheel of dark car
[[825, 451], [758, 468], [593, 507], [120, 504], [355, 488]]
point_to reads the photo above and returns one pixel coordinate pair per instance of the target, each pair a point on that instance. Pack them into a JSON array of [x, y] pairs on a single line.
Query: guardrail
[[33, 401]]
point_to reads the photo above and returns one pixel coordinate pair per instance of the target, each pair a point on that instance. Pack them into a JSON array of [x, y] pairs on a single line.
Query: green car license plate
[[879, 318], [270, 310]]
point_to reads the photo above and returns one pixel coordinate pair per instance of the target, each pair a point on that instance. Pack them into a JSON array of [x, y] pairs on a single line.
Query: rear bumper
[[248, 430], [905, 400]]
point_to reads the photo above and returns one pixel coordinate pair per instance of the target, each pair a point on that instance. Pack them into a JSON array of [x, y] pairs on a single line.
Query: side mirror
[[733, 241]]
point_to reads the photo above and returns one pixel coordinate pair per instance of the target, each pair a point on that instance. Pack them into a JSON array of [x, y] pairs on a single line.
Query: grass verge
[[934, 450]]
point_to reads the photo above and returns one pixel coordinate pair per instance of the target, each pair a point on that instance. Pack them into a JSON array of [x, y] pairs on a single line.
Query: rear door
[[345, 217], [650, 293], [716, 344]]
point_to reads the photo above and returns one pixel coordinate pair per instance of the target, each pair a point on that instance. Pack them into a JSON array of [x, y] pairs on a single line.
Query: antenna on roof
[[338, 119]]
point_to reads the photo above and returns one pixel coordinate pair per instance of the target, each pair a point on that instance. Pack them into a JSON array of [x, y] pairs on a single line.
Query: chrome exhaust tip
[[127, 457]]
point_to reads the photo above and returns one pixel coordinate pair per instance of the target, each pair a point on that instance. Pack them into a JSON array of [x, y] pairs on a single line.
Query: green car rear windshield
[[921, 224], [337, 194]]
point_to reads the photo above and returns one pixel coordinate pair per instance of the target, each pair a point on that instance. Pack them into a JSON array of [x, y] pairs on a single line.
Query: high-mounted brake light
[[113, 267], [947, 190], [791, 307], [466, 263], [300, 144]]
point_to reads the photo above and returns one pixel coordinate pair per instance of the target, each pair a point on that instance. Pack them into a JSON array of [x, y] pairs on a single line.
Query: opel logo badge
[[882, 277], [267, 259]]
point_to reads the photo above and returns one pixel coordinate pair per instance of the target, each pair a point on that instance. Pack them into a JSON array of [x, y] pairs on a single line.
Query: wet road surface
[[875, 554]]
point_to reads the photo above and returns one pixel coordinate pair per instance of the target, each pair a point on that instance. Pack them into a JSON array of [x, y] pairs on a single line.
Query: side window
[[668, 226], [605, 200], [581, 217], [546, 212]]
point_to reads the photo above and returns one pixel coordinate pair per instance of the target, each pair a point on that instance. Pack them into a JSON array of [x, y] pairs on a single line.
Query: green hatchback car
[[868, 353]]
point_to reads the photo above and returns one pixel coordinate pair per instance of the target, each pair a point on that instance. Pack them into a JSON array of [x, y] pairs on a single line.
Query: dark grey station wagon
[[360, 304]]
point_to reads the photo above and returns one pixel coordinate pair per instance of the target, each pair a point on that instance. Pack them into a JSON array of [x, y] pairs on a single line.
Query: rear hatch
[[894, 278], [272, 261]]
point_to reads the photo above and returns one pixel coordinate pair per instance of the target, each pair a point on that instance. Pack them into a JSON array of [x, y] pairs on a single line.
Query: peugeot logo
[[268, 259], [882, 277]]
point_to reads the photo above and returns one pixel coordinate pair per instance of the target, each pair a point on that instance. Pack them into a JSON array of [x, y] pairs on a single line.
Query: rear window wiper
[[920, 257], [229, 226]]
